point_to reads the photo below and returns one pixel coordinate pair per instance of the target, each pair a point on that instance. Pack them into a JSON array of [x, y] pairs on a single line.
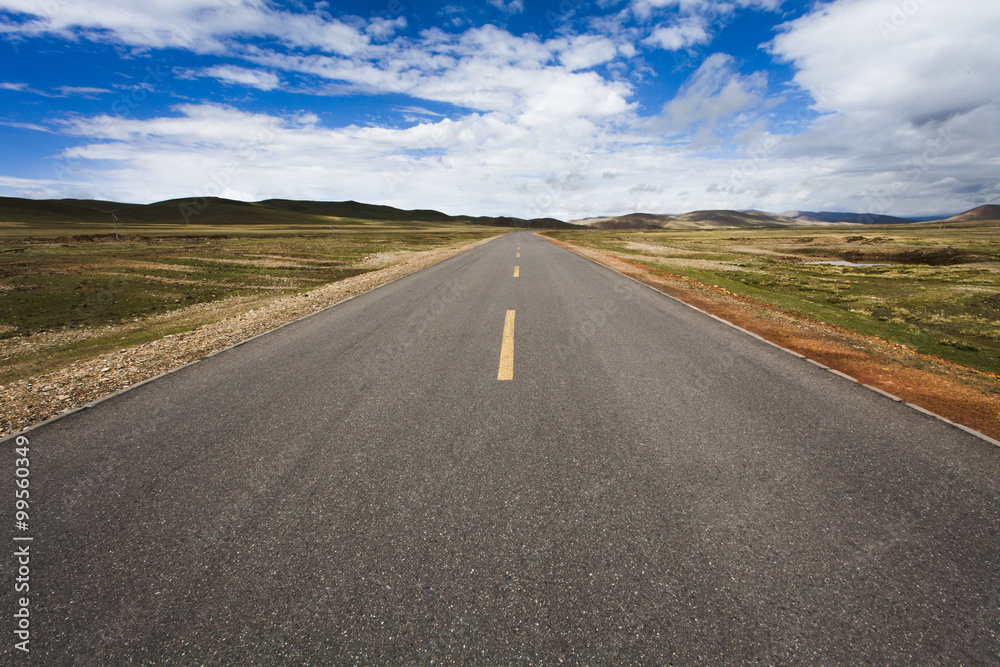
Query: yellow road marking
[[517, 269], [518, 254], [506, 371]]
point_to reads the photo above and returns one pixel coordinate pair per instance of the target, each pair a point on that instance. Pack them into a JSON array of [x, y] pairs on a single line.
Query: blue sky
[[569, 108]]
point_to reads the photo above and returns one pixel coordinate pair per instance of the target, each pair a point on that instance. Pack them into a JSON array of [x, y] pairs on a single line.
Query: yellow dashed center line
[[517, 269], [506, 371], [518, 254]]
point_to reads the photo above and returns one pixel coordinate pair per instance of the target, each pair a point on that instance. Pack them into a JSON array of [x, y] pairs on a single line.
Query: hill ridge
[[221, 211]]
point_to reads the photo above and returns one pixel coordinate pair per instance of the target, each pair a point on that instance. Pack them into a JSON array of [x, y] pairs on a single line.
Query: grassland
[[68, 298], [934, 290]]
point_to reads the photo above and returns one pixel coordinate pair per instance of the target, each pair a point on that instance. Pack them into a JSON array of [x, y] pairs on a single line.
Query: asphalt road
[[650, 486]]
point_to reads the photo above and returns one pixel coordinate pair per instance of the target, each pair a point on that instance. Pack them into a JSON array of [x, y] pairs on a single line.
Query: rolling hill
[[854, 218], [986, 212], [357, 211], [13, 209], [713, 219], [212, 211], [630, 221]]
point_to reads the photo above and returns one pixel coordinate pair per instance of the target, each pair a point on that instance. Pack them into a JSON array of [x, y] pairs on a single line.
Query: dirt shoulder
[[27, 402], [961, 394]]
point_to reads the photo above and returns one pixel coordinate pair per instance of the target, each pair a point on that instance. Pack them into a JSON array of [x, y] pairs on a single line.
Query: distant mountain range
[[762, 220], [700, 220], [214, 210]]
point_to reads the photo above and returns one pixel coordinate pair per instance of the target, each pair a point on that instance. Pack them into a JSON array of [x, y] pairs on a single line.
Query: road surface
[[515, 456]]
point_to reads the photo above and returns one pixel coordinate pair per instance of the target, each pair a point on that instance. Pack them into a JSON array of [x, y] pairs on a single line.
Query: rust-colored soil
[[961, 394]]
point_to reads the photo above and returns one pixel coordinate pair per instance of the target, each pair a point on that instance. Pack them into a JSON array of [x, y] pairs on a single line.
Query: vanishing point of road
[[515, 456]]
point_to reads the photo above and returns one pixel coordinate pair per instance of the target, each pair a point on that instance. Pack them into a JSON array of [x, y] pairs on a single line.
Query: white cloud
[[682, 34], [643, 9], [26, 126], [201, 26], [382, 28], [84, 91], [856, 55], [583, 51], [242, 76], [485, 69], [62, 91]]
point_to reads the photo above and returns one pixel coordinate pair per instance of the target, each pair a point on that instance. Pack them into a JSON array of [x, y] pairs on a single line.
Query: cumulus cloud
[[930, 63], [583, 51], [485, 69], [679, 35]]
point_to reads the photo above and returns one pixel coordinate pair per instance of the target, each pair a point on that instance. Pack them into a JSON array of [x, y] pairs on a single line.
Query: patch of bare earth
[[384, 258], [963, 395], [33, 400], [705, 264], [655, 249]]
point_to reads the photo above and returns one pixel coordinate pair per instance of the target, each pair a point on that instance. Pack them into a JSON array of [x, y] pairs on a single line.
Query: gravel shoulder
[[28, 402]]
